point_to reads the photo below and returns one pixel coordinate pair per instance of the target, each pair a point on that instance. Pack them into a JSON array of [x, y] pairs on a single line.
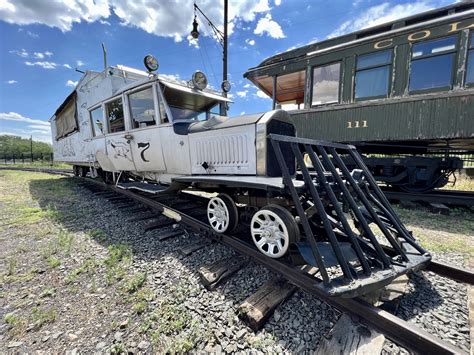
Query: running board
[[349, 230]]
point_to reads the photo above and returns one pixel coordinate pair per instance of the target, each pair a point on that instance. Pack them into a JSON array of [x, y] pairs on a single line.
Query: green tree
[[16, 145]]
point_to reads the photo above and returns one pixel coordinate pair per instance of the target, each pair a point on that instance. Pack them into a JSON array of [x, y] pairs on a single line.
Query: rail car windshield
[[188, 106]]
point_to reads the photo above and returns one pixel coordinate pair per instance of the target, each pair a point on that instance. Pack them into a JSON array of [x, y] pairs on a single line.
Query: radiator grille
[[223, 151]]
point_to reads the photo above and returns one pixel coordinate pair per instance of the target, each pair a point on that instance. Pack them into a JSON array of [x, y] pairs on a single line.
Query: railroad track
[[187, 209], [455, 198]]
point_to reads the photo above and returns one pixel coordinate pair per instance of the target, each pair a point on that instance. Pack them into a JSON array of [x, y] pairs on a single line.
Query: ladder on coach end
[[350, 231]]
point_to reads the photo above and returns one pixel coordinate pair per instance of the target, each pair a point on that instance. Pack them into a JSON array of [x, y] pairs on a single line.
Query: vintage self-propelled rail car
[[143, 131], [402, 92]]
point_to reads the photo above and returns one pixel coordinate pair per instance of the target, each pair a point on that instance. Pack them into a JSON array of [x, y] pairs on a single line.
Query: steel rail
[[399, 331], [452, 272], [458, 198]]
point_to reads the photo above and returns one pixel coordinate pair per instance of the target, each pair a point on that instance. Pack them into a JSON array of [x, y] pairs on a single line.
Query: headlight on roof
[[199, 80], [151, 63]]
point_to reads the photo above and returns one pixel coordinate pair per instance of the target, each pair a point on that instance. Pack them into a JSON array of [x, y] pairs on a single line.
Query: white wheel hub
[[218, 214], [269, 233]]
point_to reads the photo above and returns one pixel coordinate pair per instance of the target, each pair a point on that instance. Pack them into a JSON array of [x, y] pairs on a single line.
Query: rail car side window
[[470, 61], [114, 111], [97, 118], [432, 64], [142, 108], [326, 84], [372, 75]]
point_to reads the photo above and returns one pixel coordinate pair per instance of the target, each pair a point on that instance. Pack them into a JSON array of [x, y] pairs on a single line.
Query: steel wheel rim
[[218, 214], [269, 233]]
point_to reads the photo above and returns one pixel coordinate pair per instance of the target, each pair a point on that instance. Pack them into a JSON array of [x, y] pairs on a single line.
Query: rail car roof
[[354, 38], [138, 78]]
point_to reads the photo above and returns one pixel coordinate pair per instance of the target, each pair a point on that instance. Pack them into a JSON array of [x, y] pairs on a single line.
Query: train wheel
[[273, 229], [222, 213], [82, 171]]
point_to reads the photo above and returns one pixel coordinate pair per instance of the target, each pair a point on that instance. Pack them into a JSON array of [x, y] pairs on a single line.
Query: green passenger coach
[[402, 90]]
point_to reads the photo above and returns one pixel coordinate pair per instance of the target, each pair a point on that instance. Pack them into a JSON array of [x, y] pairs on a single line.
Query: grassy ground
[[462, 182], [37, 164]]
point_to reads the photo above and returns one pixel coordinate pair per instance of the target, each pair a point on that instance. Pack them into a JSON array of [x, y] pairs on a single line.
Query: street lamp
[[222, 38]]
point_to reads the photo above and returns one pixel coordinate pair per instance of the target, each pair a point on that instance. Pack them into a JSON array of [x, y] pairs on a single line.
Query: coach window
[[142, 108], [432, 64], [326, 80], [114, 112], [470, 61], [97, 118], [372, 75]]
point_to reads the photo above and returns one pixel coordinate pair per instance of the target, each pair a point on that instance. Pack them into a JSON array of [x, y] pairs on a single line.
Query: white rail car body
[[158, 130], [126, 120]]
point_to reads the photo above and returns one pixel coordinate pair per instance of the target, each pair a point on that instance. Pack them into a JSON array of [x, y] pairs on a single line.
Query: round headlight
[[151, 63], [225, 86], [199, 80]]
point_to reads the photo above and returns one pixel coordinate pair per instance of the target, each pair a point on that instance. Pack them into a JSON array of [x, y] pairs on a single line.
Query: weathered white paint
[[156, 152]]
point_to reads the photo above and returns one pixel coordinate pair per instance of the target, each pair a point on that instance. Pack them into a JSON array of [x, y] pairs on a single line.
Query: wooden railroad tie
[[162, 222], [259, 306], [388, 298], [189, 249], [103, 193], [351, 337], [144, 217], [439, 208], [213, 274], [116, 200], [169, 234]]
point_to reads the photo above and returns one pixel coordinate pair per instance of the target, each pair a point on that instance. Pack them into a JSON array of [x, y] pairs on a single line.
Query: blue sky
[[42, 42]]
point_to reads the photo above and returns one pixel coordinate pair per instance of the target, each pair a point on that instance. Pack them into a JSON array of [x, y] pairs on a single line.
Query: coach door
[[118, 139], [145, 138]]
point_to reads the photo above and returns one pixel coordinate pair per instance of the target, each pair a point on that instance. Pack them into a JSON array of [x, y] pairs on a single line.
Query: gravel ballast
[[153, 301]]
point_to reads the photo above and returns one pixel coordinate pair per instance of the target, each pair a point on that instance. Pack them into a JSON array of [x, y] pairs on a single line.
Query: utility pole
[[31, 147], [222, 38], [224, 59]]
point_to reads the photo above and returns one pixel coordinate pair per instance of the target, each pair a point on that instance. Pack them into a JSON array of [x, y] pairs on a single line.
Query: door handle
[[128, 137]]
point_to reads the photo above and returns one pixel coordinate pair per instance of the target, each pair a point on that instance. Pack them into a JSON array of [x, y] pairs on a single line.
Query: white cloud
[[13, 116], [170, 77], [242, 113], [71, 83], [277, 2], [21, 53], [60, 14], [40, 128], [79, 63], [242, 93], [42, 55], [11, 82], [379, 14], [67, 66], [266, 25], [163, 18], [103, 22], [250, 42], [247, 86], [42, 137], [29, 33], [44, 65], [262, 95]]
